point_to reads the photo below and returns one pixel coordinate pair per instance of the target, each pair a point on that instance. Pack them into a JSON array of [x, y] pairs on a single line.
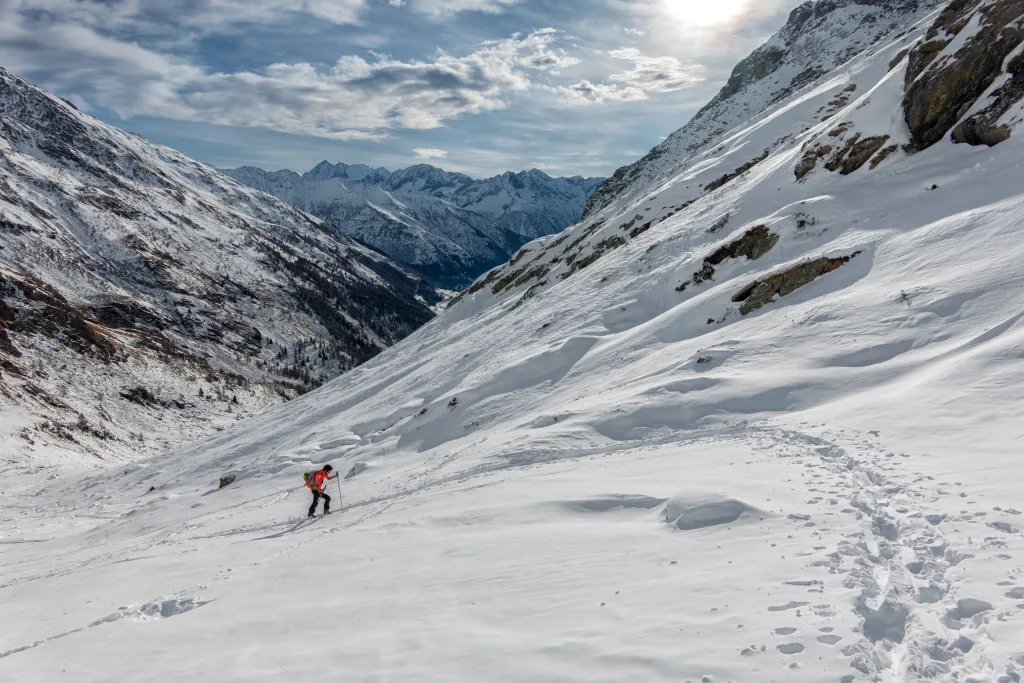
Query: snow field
[[534, 566], [844, 461]]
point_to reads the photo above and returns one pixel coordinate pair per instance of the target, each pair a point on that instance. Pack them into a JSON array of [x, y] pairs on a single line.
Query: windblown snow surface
[[618, 478]]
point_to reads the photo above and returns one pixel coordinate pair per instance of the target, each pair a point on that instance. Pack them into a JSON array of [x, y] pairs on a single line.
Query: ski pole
[[341, 503]]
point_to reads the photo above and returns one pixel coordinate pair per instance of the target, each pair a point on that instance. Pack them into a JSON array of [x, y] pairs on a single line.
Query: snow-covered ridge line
[[447, 226], [819, 36]]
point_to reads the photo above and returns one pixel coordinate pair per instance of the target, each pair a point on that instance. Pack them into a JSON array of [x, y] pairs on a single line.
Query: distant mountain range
[[447, 226]]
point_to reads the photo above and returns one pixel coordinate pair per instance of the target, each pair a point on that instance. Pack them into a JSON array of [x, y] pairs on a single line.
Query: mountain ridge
[[136, 285], [448, 226], [818, 36]]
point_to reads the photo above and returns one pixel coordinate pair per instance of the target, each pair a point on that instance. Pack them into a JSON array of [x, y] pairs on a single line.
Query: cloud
[[648, 75], [446, 8], [357, 98], [95, 70], [585, 92], [633, 31], [656, 74], [429, 153], [168, 16]]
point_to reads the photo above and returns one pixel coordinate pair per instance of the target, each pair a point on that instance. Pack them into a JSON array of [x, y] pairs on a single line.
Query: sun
[[704, 12]]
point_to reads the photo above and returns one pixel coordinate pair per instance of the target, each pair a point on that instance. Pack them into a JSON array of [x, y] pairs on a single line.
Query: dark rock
[[857, 154], [761, 292], [938, 94], [883, 155], [810, 160], [754, 244], [600, 249], [729, 177], [983, 128], [895, 61], [224, 481]]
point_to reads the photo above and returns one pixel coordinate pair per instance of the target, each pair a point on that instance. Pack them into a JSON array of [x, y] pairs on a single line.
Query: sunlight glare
[[704, 12]]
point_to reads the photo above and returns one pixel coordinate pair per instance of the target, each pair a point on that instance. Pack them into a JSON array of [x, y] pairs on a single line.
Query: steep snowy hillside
[[447, 226], [146, 299], [763, 432], [819, 36]]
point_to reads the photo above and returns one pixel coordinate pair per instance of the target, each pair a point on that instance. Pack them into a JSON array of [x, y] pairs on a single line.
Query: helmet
[[328, 468]]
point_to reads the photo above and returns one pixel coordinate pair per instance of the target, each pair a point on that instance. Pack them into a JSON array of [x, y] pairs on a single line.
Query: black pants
[[316, 499]]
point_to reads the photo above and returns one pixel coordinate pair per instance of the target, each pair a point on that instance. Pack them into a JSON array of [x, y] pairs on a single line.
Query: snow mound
[[357, 469], [697, 509], [616, 502]]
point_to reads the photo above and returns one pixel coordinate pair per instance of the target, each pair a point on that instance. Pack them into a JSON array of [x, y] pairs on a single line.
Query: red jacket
[[316, 483]]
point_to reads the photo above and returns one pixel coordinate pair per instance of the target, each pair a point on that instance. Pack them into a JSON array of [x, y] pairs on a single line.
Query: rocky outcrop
[[984, 128], [943, 86], [856, 153], [761, 292], [844, 156], [754, 244], [729, 177]]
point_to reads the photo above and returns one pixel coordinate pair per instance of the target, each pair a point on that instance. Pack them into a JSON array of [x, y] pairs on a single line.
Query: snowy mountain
[[819, 36], [447, 226], [758, 420], [146, 298]]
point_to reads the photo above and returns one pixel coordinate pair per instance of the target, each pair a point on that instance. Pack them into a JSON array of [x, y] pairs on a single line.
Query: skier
[[316, 485]]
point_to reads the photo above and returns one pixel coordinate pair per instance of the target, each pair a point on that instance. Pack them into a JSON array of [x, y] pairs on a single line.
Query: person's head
[[328, 468]]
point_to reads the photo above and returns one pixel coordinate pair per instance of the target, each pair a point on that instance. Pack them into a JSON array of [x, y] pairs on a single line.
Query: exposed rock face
[[754, 244], [761, 292], [856, 153], [728, 177], [844, 156], [983, 128], [951, 70]]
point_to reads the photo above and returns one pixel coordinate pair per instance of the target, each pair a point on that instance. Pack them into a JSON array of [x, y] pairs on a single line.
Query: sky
[[571, 87]]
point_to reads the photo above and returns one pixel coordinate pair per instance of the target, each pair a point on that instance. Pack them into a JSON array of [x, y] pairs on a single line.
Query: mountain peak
[[445, 225]]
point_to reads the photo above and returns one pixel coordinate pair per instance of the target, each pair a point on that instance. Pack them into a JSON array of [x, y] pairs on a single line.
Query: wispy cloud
[[648, 75], [429, 153], [585, 92], [655, 74], [443, 8]]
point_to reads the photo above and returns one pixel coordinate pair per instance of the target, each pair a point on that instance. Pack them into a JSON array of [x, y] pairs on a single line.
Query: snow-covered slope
[[770, 435], [819, 36], [447, 226], [146, 299]]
